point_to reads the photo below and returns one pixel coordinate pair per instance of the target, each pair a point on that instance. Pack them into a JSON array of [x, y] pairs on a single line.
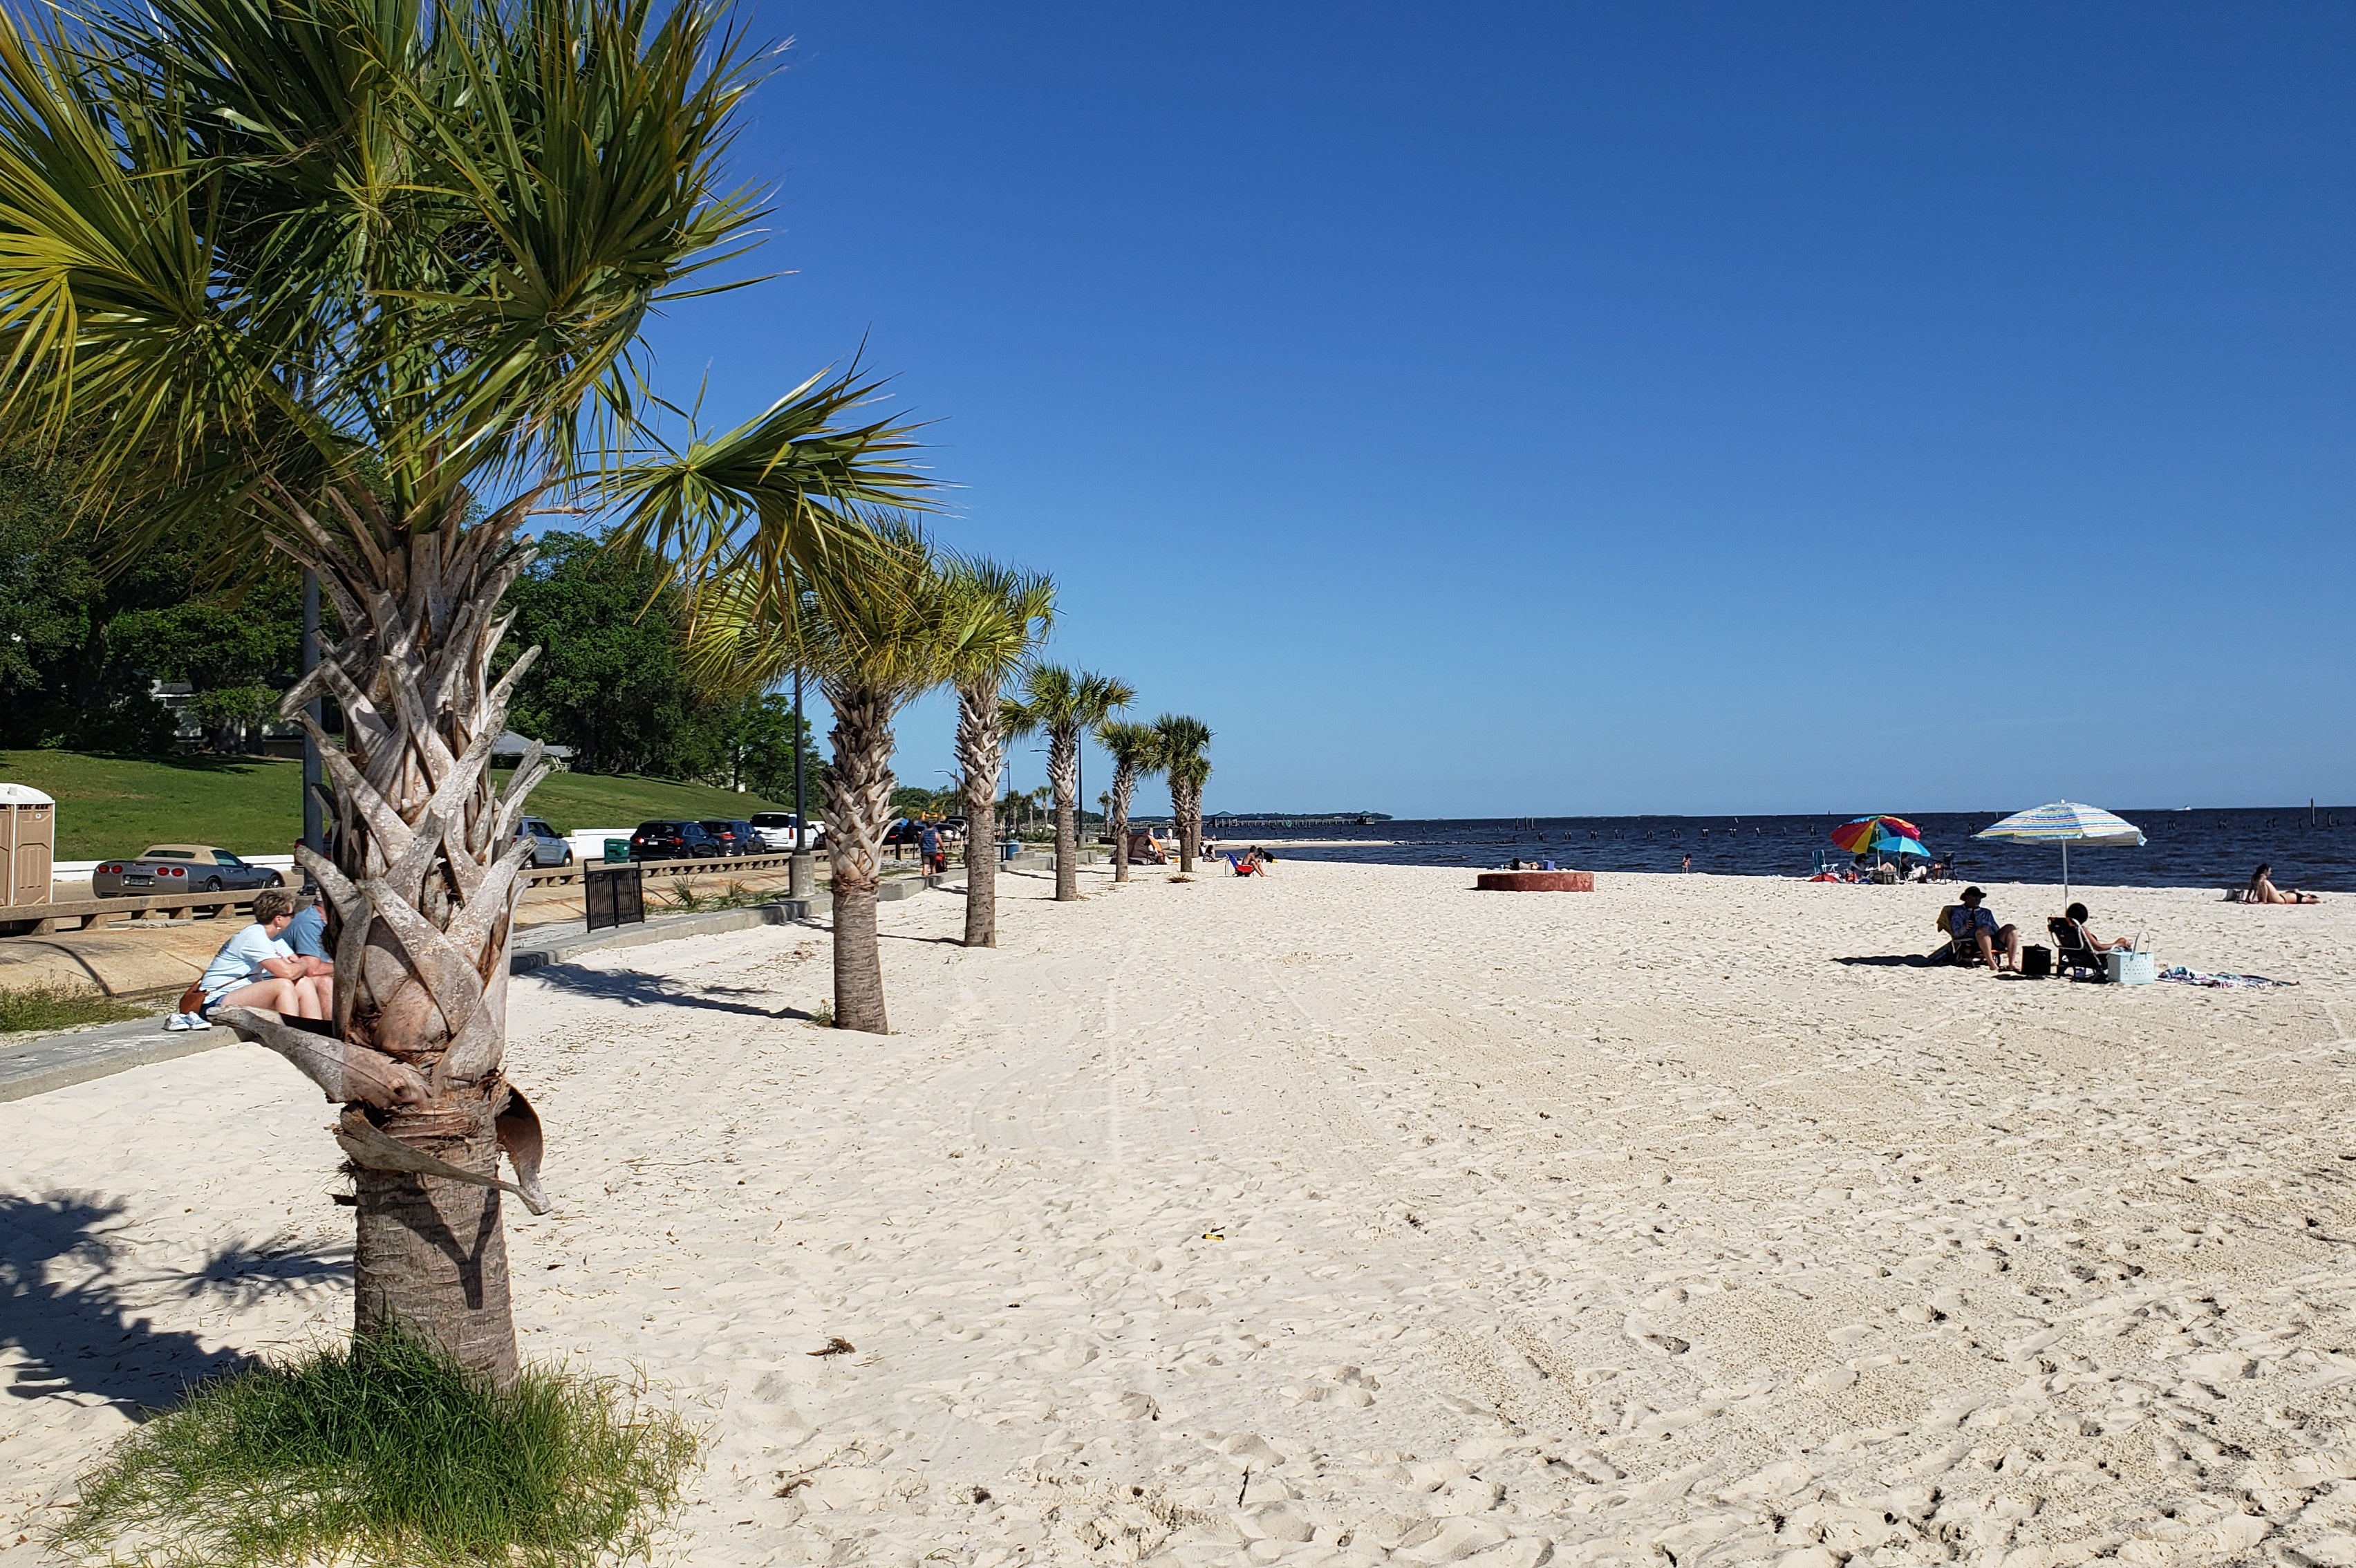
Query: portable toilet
[[28, 843]]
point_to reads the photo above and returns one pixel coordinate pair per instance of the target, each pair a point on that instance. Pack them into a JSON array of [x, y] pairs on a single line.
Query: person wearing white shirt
[[256, 968]]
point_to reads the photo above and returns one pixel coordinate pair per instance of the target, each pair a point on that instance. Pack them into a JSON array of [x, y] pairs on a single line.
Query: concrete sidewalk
[[37, 1065]]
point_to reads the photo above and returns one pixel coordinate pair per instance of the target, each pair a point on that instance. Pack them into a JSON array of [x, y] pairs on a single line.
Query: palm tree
[[1182, 762], [1136, 751], [364, 283], [1066, 705], [1007, 613], [877, 634]]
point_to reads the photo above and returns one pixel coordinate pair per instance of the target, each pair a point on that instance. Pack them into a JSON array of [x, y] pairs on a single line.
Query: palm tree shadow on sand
[[75, 1319], [634, 988]]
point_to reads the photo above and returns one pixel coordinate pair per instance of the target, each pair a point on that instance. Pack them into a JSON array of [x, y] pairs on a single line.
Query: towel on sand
[[2183, 976]]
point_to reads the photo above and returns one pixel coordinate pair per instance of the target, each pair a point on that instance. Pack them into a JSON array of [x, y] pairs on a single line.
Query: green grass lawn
[[119, 805]]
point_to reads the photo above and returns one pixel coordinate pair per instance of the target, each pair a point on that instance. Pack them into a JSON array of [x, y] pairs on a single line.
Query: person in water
[[2262, 890]]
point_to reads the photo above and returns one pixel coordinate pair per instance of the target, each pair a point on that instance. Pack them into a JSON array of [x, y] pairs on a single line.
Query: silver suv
[[549, 847]]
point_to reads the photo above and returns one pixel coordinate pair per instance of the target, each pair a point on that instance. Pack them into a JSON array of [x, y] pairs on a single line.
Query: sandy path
[[1351, 1216]]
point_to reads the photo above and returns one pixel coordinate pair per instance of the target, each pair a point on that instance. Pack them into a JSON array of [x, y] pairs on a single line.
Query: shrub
[[62, 1007], [385, 1452]]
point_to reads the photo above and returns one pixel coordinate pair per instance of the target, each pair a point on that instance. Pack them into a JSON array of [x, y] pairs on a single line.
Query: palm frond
[[789, 497]]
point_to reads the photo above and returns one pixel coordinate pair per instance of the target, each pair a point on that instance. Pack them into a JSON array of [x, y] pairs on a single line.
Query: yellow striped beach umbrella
[[2066, 822]]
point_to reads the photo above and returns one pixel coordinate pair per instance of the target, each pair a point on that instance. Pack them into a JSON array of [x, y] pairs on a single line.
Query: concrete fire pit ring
[[1535, 882]]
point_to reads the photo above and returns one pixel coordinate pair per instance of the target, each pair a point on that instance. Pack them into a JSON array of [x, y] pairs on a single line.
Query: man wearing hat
[[1971, 925]]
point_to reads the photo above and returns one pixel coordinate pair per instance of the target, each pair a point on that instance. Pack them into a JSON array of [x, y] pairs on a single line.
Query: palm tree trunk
[[420, 897], [981, 748], [859, 785], [1063, 776], [1184, 802], [1124, 780], [416, 1231]]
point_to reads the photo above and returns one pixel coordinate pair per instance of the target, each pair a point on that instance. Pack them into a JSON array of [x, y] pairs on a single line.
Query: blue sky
[[1474, 411]]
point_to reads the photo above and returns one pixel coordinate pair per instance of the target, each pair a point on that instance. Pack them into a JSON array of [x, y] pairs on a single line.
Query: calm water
[[2200, 848]]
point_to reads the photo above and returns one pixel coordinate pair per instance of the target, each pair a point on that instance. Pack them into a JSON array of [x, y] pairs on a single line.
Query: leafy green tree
[[238, 651], [64, 680], [759, 732], [611, 680]]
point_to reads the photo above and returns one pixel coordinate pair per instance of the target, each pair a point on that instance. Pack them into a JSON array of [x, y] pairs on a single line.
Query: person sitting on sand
[[2262, 890], [2076, 915], [256, 968], [307, 933], [1971, 927]]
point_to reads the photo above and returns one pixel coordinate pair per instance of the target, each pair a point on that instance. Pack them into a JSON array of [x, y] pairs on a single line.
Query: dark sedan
[[736, 836], [674, 840]]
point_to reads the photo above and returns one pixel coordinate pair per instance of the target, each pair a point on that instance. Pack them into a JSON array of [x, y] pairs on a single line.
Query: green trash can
[[618, 851]]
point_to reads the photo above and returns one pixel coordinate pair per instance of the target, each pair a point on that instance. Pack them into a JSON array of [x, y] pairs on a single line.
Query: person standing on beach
[[929, 850]]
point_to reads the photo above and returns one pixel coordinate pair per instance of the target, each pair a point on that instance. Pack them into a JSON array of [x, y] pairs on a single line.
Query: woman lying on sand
[[2262, 890]]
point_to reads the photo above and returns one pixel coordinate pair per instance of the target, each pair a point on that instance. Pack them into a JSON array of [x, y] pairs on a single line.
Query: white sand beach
[[1348, 1217]]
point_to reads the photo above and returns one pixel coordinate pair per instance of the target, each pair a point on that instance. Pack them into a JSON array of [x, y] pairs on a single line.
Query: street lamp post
[[801, 878], [313, 824]]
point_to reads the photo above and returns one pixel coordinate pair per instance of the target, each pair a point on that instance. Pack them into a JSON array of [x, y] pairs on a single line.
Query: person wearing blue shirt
[[307, 933], [1972, 927]]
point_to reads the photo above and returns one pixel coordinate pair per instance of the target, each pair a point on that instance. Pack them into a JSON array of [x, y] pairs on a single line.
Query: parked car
[[906, 830], [549, 847], [735, 835], [180, 869], [776, 832], [671, 839]]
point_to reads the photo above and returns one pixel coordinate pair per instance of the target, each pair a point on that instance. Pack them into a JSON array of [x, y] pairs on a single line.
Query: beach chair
[[2071, 953], [1958, 950]]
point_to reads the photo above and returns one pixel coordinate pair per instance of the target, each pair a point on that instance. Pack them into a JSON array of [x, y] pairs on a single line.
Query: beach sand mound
[[1345, 1217]]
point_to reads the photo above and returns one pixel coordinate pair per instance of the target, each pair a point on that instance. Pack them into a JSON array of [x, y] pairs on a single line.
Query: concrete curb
[[568, 942], [60, 1061]]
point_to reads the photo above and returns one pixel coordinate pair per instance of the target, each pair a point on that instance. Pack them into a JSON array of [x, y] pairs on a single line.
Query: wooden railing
[[83, 913], [558, 875]]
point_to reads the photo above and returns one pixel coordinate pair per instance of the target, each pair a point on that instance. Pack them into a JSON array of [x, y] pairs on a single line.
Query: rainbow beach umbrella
[[1886, 836], [2066, 822]]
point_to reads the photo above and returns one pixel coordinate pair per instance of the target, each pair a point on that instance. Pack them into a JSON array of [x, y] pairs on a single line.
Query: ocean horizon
[[2196, 847]]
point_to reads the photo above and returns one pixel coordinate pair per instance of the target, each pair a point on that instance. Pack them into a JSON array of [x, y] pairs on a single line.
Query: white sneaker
[[179, 1022]]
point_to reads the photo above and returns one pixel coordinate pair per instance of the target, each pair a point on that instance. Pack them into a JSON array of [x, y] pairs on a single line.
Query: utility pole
[[802, 879], [314, 825]]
